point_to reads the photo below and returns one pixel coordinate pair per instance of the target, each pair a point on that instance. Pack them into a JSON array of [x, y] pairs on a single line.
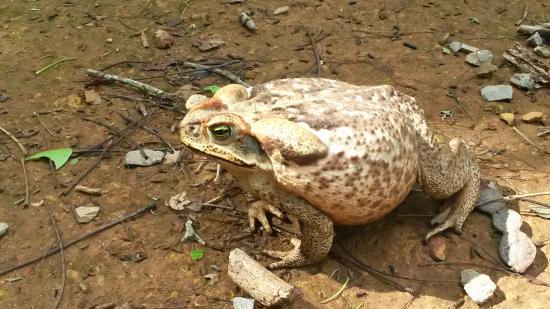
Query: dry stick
[[514, 197], [53, 64], [61, 256], [74, 241], [315, 51], [54, 177], [232, 77], [23, 150], [530, 141], [525, 12], [152, 131], [44, 125], [27, 193]]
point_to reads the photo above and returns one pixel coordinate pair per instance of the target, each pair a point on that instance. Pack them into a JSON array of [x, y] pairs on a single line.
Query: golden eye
[[221, 132]]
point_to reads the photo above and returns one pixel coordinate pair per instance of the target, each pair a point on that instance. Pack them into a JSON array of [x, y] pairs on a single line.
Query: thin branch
[[27, 192], [232, 77], [525, 12], [61, 257], [315, 51], [73, 242], [23, 150], [530, 141], [53, 64]]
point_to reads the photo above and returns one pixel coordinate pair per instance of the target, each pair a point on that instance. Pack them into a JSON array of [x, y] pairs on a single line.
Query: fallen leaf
[[541, 211], [212, 88], [197, 254], [58, 156]]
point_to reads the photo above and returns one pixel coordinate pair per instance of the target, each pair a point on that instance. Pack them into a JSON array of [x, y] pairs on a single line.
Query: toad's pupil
[[221, 131]]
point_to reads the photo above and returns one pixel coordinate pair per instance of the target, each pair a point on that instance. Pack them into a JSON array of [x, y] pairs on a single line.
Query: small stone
[[4, 97], [497, 92], [455, 46], [508, 118], [445, 38], [134, 157], [243, 303], [247, 21], [523, 80], [486, 69], [438, 248], [507, 220], [85, 214], [532, 117], [210, 45], [92, 97], [109, 40], [535, 40], [517, 250], [478, 286], [490, 193], [163, 39], [194, 100], [542, 51], [281, 10], [3, 228], [469, 48], [478, 57]]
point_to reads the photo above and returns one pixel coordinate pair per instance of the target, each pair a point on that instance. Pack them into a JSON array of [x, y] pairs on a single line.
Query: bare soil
[[142, 262]]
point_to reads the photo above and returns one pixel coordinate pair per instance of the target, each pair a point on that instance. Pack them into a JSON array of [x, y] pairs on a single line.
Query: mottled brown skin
[[330, 152]]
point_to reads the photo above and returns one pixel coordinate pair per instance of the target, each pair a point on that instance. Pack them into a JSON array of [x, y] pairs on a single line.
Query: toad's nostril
[[192, 130]]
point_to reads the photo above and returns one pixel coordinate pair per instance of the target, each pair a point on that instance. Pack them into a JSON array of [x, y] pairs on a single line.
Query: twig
[[27, 192], [543, 133], [315, 51], [74, 241], [61, 257], [514, 197], [54, 177], [53, 64], [525, 12], [152, 131], [127, 81], [23, 150], [340, 290], [530, 141], [44, 125], [232, 77]]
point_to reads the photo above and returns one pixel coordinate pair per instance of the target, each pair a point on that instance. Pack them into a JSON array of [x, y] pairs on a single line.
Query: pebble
[[478, 57], [508, 118], [109, 40], [134, 158], [478, 286], [247, 21], [455, 46], [163, 39], [507, 220], [497, 92], [210, 45], [542, 51], [490, 193], [517, 250], [3, 228], [85, 214], [243, 303], [4, 97], [438, 248], [523, 80], [532, 117], [281, 10], [534, 40]]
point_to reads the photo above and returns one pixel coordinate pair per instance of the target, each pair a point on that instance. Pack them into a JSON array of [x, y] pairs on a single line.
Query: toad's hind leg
[[316, 241], [450, 171]]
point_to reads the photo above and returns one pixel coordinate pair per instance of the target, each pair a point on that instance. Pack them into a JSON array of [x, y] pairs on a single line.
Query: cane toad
[[329, 152]]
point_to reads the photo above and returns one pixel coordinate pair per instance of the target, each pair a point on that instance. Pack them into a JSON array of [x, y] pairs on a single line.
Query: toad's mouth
[[235, 161]]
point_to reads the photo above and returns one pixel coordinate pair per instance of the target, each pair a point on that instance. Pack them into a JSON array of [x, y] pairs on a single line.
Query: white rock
[[478, 286], [243, 303], [497, 92], [85, 214], [469, 48], [479, 57], [281, 10], [507, 221], [517, 250], [3, 228], [523, 80], [134, 157], [455, 46]]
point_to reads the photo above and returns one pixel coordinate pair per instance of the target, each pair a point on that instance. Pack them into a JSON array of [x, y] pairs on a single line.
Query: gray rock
[[517, 250], [523, 80], [469, 48], [478, 286], [535, 40], [134, 158], [210, 45], [497, 92], [455, 46], [507, 220], [542, 51], [281, 10], [490, 194], [243, 303], [85, 214], [479, 57], [3, 228]]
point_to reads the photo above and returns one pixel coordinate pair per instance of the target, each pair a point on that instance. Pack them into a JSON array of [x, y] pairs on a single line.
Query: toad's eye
[[221, 132]]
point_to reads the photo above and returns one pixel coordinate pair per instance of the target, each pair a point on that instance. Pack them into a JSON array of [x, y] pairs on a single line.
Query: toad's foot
[[257, 211], [291, 258]]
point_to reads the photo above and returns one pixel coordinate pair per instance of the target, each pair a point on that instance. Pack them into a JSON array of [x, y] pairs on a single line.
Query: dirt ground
[[142, 262]]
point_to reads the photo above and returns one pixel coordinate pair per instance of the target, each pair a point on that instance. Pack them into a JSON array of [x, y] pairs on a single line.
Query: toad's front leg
[[317, 234]]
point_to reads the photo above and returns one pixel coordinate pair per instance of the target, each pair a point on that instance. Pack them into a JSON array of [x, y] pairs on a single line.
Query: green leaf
[[446, 50], [74, 161], [197, 254], [212, 88], [543, 212], [58, 156]]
